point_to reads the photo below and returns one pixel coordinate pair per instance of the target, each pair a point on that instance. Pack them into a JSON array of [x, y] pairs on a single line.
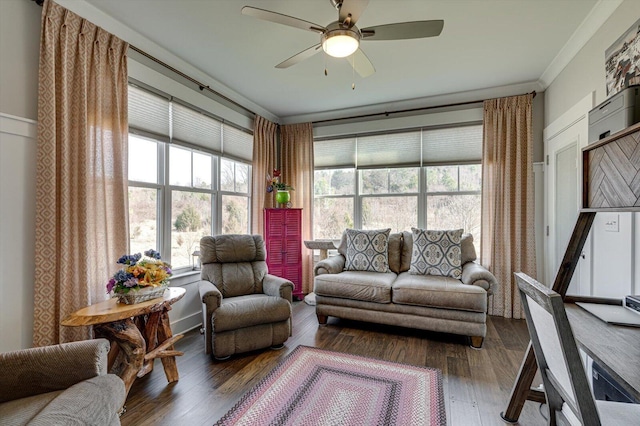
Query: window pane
[[190, 221], [471, 177], [143, 151], [403, 180], [331, 216], [335, 182], [179, 166], [143, 216], [442, 179], [201, 170], [455, 212], [375, 181], [227, 179], [242, 178], [397, 213], [235, 214]]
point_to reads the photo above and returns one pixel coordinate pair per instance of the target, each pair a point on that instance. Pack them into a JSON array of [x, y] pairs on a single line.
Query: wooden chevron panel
[[614, 173]]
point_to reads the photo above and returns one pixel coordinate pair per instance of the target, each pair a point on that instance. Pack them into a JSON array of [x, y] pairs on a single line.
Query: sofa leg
[[322, 319], [476, 342]]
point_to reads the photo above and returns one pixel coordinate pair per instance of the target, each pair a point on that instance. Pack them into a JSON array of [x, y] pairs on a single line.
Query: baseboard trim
[[187, 323]]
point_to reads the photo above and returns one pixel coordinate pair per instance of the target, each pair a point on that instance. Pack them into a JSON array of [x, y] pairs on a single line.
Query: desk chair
[[565, 383]]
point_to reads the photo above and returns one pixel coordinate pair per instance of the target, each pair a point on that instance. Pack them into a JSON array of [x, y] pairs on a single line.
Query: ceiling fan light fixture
[[340, 43]]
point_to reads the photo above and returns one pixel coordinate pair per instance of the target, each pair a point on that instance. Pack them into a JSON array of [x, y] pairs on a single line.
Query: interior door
[[563, 191]]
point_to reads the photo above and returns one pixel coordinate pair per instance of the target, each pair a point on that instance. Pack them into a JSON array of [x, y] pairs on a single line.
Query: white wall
[[19, 44], [614, 254]]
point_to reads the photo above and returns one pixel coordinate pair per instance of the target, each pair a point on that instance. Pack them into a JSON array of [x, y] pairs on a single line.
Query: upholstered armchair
[[64, 384], [244, 307]]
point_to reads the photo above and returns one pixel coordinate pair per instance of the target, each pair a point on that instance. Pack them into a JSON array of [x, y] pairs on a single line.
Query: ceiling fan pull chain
[[325, 64], [353, 72]]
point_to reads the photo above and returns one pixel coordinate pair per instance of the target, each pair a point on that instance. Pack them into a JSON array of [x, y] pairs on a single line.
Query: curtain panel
[[265, 134], [297, 171], [508, 239], [81, 182]]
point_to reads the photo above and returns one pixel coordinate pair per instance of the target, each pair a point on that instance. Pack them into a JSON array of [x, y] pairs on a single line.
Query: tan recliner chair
[[244, 307]]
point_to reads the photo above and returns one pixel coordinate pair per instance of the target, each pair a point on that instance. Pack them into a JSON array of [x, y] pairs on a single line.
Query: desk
[[616, 348], [141, 333]]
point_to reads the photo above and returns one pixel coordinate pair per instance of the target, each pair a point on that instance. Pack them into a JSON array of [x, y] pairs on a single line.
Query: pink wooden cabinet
[[283, 238]]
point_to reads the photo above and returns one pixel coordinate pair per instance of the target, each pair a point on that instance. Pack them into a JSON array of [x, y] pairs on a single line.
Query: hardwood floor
[[477, 383]]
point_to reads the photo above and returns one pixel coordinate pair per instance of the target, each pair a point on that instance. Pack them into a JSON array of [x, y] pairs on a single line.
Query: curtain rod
[[402, 111], [200, 85]]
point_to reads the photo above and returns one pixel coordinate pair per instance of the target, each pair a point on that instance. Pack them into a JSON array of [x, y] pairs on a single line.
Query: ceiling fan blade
[[361, 63], [279, 18], [299, 57], [403, 30], [353, 8]]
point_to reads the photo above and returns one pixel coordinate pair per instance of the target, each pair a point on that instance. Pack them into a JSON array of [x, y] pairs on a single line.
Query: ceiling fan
[[342, 38]]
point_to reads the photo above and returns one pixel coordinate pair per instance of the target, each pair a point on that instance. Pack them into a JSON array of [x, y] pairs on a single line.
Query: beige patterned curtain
[[81, 193], [297, 171], [508, 240], [264, 161]]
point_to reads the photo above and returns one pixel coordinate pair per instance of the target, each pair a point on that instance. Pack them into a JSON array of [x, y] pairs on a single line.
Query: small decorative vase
[[282, 197]]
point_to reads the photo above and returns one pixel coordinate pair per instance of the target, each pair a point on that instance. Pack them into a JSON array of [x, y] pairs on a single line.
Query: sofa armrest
[[475, 274], [330, 265], [34, 371], [278, 287]]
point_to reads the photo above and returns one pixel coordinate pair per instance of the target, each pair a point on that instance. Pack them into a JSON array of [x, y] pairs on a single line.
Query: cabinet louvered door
[[283, 239]]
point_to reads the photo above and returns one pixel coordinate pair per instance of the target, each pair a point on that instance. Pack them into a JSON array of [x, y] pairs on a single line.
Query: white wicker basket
[[142, 295]]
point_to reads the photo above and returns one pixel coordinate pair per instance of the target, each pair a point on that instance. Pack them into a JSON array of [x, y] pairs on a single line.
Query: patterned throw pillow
[[436, 253], [367, 250]]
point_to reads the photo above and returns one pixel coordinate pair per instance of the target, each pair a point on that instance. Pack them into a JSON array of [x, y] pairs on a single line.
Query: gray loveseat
[[425, 302], [64, 384]]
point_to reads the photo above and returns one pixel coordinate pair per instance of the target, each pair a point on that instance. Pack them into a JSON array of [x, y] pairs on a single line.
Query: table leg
[[164, 335], [132, 348]]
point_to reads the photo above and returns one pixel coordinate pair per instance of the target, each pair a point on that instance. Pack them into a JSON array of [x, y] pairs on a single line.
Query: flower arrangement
[[274, 184], [138, 272]]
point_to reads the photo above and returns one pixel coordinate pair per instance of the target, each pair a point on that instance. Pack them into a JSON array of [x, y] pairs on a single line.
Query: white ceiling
[[484, 44]]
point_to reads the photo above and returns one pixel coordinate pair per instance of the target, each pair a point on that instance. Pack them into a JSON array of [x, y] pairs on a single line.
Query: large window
[[429, 178], [183, 182]]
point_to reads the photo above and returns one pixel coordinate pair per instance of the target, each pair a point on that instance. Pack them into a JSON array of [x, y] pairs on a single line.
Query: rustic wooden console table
[[138, 333]]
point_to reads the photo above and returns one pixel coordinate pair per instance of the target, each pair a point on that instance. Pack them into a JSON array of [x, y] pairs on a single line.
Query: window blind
[[391, 149], [452, 145], [237, 143], [335, 153], [149, 112], [193, 127]]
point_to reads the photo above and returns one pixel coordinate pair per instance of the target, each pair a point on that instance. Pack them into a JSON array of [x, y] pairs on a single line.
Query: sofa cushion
[[436, 253], [395, 252], [247, 311], [357, 285], [438, 292], [467, 249], [407, 250], [367, 250]]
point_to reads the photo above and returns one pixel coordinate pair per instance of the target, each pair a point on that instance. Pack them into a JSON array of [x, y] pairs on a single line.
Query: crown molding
[[106, 21], [591, 24]]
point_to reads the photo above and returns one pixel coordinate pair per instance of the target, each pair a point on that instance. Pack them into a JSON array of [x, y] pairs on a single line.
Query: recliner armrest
[[210, 295], [279, 287], [330, 265], [475, 274], [34, 371]]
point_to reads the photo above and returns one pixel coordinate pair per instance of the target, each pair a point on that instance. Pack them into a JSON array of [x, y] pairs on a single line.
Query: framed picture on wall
[[622, 61]]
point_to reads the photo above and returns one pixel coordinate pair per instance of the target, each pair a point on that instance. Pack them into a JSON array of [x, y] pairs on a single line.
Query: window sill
[[184, 278]]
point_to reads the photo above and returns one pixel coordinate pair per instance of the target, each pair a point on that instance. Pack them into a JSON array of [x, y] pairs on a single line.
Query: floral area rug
[[318, 387]]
